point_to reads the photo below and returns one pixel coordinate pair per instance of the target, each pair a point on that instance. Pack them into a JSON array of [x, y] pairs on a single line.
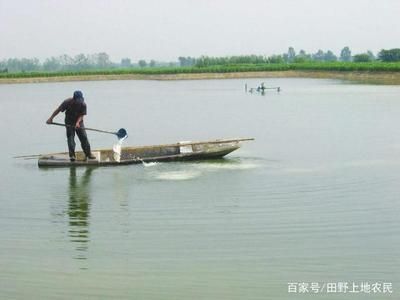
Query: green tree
[[126, 63], [363, 57], [142, 63], [67, 62], [371, 55], [152, 63], [3, 66], [302, 57], [329, 56], [102, 60], [23, 64], [52, 64], [389, 55], [345, 54], [81, 62], [190, 61], [319, 55], [291, 54], [276, 59]]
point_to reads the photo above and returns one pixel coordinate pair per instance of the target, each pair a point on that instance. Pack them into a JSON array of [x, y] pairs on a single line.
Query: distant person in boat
[[261, 87], [75, 109]]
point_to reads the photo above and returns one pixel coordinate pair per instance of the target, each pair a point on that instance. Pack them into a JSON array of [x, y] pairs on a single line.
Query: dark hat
[[78, 95]]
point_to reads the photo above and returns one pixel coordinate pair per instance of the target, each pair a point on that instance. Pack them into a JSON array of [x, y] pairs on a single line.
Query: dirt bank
[[361, 77]]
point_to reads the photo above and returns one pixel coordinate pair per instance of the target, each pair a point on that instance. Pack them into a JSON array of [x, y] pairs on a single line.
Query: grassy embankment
[[376, 72]]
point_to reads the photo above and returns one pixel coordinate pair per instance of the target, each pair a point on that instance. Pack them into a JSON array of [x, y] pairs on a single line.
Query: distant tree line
[[102, 61], [291, 56], [186, 61], [80, 62], [390, 55]]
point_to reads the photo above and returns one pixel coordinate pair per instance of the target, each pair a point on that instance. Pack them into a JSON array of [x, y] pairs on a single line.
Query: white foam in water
[[177, 175], [149, 164], [202, 168]]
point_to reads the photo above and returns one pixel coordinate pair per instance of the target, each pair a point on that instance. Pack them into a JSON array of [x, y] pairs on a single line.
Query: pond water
[[314, 199]]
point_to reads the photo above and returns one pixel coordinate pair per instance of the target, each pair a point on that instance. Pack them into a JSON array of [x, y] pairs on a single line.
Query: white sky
[[165, 30]]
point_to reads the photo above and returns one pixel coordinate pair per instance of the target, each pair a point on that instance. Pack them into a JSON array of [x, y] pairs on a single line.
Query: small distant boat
[[159, 153], [262, 88]]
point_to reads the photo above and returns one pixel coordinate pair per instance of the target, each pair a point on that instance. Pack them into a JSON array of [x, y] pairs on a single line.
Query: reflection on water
[[79, 210]]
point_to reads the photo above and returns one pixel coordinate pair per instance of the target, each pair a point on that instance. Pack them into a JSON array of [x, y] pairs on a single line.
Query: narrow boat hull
[[182, 151]]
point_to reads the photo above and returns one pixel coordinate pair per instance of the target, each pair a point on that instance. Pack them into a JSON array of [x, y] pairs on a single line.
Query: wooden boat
[[159, 153]]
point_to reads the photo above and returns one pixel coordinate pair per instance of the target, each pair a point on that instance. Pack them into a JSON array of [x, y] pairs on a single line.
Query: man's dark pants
[[81, 132]]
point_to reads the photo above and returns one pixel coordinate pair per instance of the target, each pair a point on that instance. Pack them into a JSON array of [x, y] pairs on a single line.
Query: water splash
[[149, 164], [117, 149]]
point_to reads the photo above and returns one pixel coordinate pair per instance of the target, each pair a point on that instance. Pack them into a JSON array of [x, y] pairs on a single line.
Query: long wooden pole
[[87, 128]]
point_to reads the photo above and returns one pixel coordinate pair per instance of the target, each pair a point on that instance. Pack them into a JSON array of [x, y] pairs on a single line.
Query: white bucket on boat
[[185, 148]]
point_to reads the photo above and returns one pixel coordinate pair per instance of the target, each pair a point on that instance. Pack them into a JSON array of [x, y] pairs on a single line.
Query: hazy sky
[[164, 30]]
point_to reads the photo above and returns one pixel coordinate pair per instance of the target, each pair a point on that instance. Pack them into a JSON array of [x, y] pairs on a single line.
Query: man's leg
[[84, 142], [71, 141]]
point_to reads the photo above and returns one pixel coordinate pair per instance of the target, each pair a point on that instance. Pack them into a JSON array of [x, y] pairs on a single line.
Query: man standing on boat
[[75, 109]]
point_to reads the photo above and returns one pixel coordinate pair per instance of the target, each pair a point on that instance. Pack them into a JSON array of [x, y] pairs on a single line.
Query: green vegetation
[[80, 62], [390, 55], [100, 64], [363, 57], [375, 66]]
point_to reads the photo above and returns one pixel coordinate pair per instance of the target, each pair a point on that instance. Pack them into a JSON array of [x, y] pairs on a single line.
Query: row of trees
[[291, 56], [102, 60], [97, 61], [390, 55]]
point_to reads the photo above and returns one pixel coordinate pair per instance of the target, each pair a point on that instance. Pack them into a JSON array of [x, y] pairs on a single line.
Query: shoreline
[[386, 78]]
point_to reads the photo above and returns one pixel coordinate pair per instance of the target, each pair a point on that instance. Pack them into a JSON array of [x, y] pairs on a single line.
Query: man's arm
[[55, 113], [77, 124]]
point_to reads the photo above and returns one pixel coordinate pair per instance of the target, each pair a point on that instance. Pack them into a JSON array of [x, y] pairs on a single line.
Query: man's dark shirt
[[73, 109]]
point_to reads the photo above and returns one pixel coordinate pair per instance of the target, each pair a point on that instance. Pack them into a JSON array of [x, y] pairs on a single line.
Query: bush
[[364, 57]]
